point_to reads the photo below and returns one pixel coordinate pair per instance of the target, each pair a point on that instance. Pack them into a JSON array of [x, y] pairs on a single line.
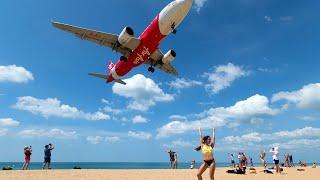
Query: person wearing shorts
[[275, 157], [47, 156]]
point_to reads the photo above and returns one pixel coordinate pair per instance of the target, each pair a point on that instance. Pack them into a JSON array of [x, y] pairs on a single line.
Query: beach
[[183, 174]]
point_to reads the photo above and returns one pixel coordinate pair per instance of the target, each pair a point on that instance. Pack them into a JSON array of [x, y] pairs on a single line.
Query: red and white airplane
[[136, 51]]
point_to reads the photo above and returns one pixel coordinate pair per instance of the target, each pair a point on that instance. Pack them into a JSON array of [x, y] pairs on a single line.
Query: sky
[[248, 68]]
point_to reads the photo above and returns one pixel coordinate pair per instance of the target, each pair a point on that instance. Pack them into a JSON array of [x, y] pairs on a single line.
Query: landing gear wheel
[[122, 58], [174, 31], [151, 69]]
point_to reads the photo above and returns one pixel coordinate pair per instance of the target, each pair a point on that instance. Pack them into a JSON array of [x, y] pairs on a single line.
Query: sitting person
[[314, 165]]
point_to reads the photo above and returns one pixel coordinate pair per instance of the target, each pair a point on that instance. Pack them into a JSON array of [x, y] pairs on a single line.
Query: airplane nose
[[185, 4], [173, 14]]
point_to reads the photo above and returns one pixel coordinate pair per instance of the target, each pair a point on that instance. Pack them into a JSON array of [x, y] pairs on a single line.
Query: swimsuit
[[209, 162], [207, 149]]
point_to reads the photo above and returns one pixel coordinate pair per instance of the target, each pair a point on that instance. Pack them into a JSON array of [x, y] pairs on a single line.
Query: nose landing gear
[[173, 27], [151, 69]]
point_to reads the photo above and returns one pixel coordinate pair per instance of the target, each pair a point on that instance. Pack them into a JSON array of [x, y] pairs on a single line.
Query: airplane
[[137, 51]]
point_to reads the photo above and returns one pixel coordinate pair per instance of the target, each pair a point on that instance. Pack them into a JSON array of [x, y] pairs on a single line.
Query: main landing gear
[[122, 58]]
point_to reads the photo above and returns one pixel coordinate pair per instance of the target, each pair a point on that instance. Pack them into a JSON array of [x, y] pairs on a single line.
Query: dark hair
[[46, 146], [204, 139]]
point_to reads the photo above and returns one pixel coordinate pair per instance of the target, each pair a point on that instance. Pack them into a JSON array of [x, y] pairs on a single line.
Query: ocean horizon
[[104, 165]]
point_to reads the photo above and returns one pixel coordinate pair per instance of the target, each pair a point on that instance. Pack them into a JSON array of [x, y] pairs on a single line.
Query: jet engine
[[169, 56], [125, 36]]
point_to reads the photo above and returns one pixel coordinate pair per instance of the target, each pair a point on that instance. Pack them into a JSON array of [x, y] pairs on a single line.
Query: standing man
[[47, 156], [291, 161], [233, 164], [172, 158]]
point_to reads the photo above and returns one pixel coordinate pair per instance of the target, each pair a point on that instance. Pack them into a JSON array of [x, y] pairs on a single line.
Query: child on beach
[[27, 157]]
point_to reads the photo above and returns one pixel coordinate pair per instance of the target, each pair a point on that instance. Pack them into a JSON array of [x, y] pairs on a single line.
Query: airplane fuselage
[[162, 25]]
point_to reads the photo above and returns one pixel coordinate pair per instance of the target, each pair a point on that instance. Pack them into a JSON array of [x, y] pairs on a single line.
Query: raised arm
[[213, 141], [200, 133]]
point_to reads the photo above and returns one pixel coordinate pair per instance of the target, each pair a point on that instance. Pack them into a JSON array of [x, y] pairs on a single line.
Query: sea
[[103, 165]]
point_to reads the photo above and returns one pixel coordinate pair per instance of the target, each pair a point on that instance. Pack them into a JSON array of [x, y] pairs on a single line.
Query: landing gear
[[122, 58], [151, 69], [174, 31], [173, 27]]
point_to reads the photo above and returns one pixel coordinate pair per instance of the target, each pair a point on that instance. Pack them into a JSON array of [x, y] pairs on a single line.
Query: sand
[[289, 173]]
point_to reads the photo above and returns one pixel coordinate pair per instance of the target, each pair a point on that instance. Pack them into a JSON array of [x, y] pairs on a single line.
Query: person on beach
[[275, 157], [233, 164], [193, 163], [172, 158], [251, 161], [206, 146], [243, 161], [47, 156], [27, 150], [263, 159], [291, 160], [286, 160], [314, 165], [239, 158], [175, 163]]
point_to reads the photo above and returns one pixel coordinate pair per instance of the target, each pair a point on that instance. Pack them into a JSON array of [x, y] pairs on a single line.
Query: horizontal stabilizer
[[120, 81], [103, 76]]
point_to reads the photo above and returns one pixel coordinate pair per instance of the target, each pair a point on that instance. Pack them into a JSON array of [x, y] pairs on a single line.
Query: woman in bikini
[[206, 146]]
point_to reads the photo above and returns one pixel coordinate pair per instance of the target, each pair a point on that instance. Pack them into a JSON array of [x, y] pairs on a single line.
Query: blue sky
[[248, 68]]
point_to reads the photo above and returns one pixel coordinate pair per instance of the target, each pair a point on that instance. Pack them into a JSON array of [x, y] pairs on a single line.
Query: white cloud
[[52, 107], [304, 132], [94, 139], [285, 139], [112, 139], [181, 83], [199, 4], [177, 117], [140, 135], [181, 143], [3, 132], [16, 74], [142, 91], [267, 18], [286, 18], [299, 144], [248, 110], [308, 97], [223, 76], [109, 109], [52, 133], [8, 122], [139, 119], [308, 118]]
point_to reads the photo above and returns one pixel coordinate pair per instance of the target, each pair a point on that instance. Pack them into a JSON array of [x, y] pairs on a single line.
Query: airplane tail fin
[[110, 65]]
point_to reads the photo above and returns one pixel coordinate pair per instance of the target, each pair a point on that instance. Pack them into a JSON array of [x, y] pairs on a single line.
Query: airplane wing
[[101, 38], [167, 68]]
